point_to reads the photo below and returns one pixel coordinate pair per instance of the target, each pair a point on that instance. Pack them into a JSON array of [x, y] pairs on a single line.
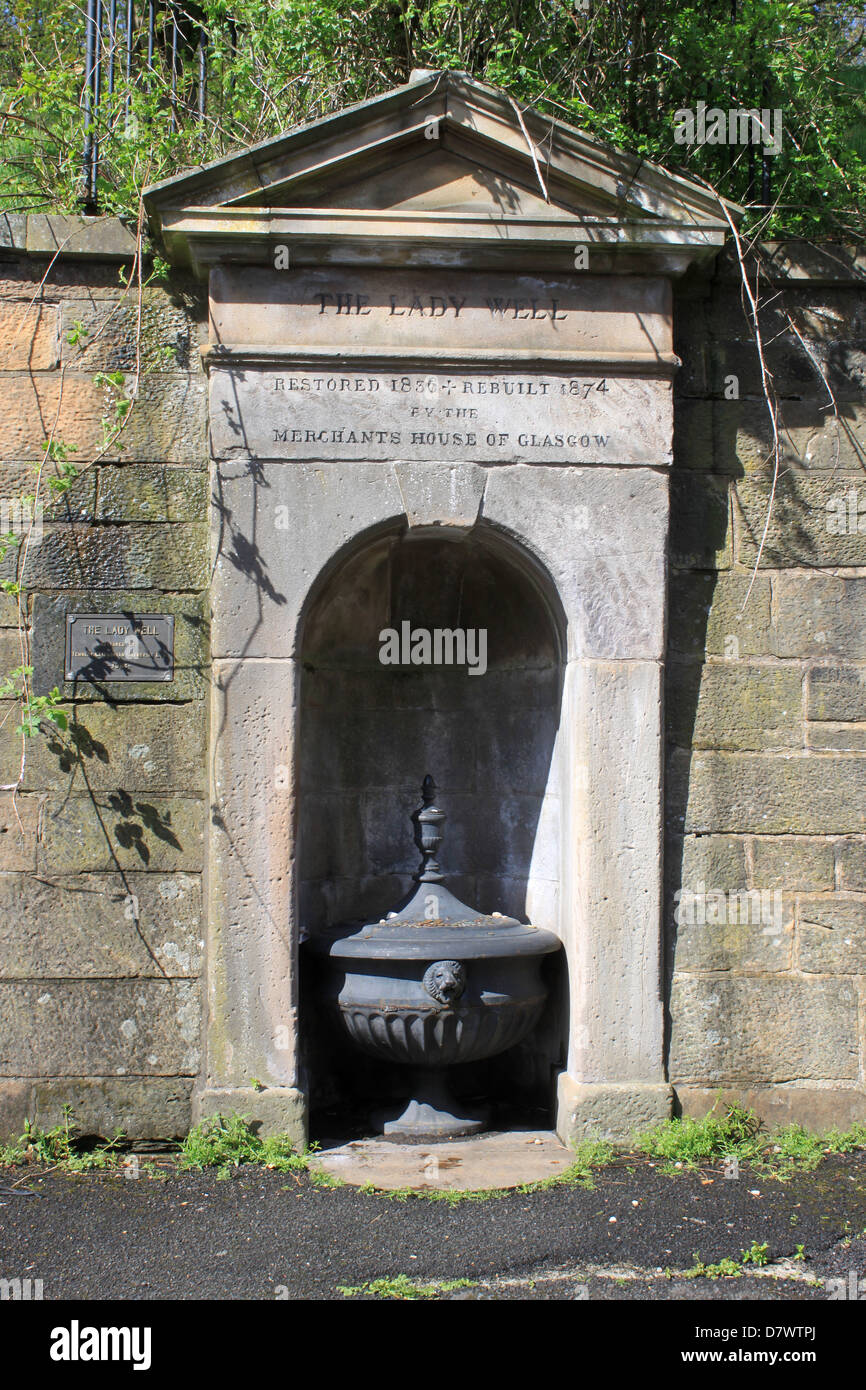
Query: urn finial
[[428, 821]]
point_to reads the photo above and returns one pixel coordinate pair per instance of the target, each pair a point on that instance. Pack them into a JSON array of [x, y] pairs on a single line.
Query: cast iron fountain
[[434, 983]]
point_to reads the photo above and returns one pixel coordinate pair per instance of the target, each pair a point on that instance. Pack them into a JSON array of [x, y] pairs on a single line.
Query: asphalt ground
[[263, 1235]]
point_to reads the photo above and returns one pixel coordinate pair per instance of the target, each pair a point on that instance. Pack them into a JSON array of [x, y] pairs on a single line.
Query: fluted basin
[[433, 984]]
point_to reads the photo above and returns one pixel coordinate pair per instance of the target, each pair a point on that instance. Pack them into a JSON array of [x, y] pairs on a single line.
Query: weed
[[756, 1254], [689, 1142], [227, 1141], [725, 1269], [736, 1133], [402, 1287], [60, 1147]]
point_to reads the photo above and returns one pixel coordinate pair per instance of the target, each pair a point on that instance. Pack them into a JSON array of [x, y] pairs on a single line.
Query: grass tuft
[[402, 1287], [729, 1132], [225, 1142], [60, 1147]]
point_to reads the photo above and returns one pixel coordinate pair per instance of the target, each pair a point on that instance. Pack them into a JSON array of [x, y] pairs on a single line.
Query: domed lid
[[432, 922]]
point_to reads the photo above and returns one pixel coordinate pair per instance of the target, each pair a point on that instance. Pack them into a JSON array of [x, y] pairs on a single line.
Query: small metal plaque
[[119, 647]]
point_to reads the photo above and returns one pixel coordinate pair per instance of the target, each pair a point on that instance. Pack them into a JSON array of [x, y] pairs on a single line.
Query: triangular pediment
[[439, 181], [444, 159]]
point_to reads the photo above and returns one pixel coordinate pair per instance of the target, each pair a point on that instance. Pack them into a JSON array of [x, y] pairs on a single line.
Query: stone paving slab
[[459, 1165]]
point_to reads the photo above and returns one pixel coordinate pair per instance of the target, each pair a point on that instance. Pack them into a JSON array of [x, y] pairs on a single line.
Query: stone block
[[119, 830], [806, 509], [507, 416], [792, 863], [191, 637], [700, 536], [118, 557], [837, 738], [601, 535], [851, 865], [832, 936], [820, 615], [793, 369], [274, 535], [19, 829], [142, 748], [797, 260], [135, 492], [717, 861], [166, 423], [441, 494], [99, 1028], [772, 795], [48, 233], [734, 705], [836, 693], [811, 436], [13, 230], [611, 903], [108, 337], [425, 310], [252, 980], [271, 1110], [10, 659], [732, 946], [693, 434], [710, 613], [817, 1109], [100, 925], [29, 336], [20, 480], [612, 1112], [152, 1107], [760, 1029]]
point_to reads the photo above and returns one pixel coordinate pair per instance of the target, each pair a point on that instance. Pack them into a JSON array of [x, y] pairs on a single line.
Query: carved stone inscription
[[326, 412], [386, 310]]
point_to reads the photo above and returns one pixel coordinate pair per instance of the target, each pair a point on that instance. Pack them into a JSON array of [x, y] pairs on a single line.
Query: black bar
[[87, 181], [97, 84], [766, 170], [202, 73], [112, 40], [173, 68], [130, 22]]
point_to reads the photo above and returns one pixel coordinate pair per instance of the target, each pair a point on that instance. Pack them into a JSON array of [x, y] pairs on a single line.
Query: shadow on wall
[[370, 730]]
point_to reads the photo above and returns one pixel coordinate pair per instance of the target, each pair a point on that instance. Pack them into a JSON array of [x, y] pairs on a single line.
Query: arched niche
[[370, 728]]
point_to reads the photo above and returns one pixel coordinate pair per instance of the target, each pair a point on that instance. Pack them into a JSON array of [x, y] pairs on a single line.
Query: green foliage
[[712, 1138], [227, 1141], [402, 1287], [737, 1133], [59, 1148], [756, 1254], [35, 709], [619, 68], [725, 1269]]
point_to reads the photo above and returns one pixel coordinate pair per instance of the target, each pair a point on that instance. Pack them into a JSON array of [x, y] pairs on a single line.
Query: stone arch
[[367, 733]]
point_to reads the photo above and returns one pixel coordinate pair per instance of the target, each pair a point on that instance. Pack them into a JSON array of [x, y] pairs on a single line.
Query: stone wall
[[101, 852], [766, 696]]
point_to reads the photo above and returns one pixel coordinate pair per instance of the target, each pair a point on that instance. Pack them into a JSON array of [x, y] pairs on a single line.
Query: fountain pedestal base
[[433, 1112]]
